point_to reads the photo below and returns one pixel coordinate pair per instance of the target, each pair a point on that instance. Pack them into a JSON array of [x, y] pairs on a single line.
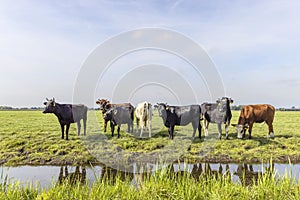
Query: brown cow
[[255, 114], [105, 105]]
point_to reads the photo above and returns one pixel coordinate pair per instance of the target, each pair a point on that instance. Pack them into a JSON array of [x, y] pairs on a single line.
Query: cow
[[67, 114], [143, 115], [251, 114], [180, 116], [219, 113], [105, 105], [118, 116]]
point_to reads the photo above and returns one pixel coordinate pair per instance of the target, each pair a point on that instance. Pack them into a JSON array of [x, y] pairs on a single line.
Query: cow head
[[241, 130], [224, 103], [162, 109], [50, 105], [102, 103], [110, 114]]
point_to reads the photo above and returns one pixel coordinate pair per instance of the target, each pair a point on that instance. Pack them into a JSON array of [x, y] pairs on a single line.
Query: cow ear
[[45, 103], [47, 99], [231, 100]]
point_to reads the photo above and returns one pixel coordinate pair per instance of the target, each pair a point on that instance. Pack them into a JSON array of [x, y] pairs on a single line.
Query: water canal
[[46, 176]]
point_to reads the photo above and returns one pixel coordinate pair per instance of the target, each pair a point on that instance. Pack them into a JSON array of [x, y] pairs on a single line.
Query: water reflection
[[246, 174], [109, 175], [72, 177]]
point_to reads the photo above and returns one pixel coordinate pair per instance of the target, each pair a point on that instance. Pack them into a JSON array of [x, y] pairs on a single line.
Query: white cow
[[143, 114]]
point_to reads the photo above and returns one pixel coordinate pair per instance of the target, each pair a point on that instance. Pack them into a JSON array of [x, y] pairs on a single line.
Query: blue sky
[[254, 44]]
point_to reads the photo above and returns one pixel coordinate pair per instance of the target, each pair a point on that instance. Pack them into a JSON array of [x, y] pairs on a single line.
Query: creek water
[[46, 176]]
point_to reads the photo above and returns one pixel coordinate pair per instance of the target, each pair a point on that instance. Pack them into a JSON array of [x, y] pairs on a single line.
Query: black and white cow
[[180, 116], [120, 115], [219, 113], [67, 114]]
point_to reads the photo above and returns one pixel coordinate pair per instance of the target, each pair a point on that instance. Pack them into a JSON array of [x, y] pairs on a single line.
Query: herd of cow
[[118, 114]]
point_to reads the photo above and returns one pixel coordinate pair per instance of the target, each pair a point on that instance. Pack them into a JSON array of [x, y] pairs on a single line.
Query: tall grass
[[162, 184]]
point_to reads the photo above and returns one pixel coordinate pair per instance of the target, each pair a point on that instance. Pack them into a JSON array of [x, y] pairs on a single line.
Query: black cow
[[218, 113], [67, 114], [181, 116], [105, 105], [120, 115]]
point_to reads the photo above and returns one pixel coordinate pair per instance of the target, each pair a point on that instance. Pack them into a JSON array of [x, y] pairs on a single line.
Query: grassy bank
[[161, 185], [30, 137]]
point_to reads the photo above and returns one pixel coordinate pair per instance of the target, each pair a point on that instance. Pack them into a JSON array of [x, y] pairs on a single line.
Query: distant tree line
[[22, 108], [234, 107], [293, 108]]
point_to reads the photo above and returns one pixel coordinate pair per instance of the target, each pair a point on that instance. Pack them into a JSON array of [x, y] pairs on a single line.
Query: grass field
[[30, 137]]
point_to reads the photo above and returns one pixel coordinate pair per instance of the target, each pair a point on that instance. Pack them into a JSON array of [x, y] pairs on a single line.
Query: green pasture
[[30, 137]]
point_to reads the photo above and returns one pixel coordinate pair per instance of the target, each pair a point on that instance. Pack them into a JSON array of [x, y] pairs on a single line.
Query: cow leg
[[119, 127], [62, 130], [112, 128], [220, 130], [250, 130], [84, 126], [105, 125], [67, 131], [78, 127], [131, 123], [137, 125], [205, 123], [142, 128], [194, 124], [172, 132], [227, 129], [270, 130], [199, 129]]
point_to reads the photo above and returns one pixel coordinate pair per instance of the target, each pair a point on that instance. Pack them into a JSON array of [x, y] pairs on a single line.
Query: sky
[[254, 46]]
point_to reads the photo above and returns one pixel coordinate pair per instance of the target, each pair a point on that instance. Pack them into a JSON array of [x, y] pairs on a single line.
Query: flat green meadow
[[31, 137]]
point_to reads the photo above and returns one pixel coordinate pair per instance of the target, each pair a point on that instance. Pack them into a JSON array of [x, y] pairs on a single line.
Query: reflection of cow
[[110, 175], [248, 176], [207, 171], [255, 114], [143, 114], [197, 171], [72, 178], [200, 170]]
